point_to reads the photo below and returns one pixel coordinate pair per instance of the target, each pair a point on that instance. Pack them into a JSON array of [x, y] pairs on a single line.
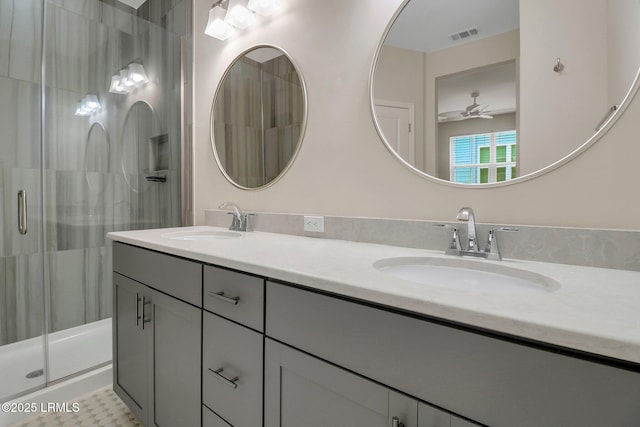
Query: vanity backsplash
[[619, 249]]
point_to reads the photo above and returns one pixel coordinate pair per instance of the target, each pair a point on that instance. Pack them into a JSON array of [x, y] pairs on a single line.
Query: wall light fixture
[[227, 15], [88, 105], [129, 78]]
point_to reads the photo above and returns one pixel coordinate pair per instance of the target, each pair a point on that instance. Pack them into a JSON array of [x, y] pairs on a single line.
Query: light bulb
[[91, 102], [125, 82], [216, 26], [136, 74], [264, 7], [80, 110], [238, 15], [115, 86]]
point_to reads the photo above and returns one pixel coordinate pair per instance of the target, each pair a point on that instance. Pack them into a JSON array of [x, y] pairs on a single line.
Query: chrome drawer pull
[[145, 302], [395, 422], [221, 297], [217, 374]]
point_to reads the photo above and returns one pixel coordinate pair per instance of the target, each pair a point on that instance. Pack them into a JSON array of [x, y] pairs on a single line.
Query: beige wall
[[400, 77], [344, 169], [560, 107]]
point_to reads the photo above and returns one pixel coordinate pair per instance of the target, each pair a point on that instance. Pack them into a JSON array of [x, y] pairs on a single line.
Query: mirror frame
[[303, 126], [604, 128]]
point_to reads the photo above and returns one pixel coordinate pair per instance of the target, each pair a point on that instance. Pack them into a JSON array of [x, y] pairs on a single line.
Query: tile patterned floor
[[101, 408]]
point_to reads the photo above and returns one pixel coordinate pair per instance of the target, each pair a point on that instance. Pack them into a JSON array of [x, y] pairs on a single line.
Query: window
[[483, 158]]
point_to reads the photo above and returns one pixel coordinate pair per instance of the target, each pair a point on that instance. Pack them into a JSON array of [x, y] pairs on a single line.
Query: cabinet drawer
[[175, 276], [235, 393], [467, 373], [236, 296], [209, 419]]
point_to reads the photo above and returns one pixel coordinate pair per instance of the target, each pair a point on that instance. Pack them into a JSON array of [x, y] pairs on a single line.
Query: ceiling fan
[[472, 111]]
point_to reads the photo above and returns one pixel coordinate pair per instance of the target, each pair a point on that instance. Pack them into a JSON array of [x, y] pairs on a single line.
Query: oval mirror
[[486, 92], [142, 145], [258, 117]]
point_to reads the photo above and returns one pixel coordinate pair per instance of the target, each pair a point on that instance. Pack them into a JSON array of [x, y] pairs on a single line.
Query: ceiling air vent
[[464, 34]]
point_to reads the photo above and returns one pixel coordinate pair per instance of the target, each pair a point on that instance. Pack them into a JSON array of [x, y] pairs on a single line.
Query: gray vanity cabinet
[[232, 348], [301, 390], [487, 379], [156, 337]]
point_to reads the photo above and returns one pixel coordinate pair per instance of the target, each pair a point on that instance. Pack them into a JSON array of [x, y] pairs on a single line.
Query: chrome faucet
[[492, 250], [466, 215], [240, 220]]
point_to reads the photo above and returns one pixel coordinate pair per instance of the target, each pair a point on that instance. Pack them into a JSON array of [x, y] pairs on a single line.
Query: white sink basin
[[467, 275], [201, 235]]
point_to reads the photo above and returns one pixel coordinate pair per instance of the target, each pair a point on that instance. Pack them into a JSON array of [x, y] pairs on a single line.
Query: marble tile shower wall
[[86, 191]]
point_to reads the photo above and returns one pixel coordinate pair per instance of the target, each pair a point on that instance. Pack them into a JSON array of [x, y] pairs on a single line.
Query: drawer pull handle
[[138, 316], [220, 295], [145, 302], [217, 374], [395, 422]]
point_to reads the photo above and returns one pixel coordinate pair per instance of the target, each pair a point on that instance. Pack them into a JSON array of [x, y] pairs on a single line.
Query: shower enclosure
[[88, 144]]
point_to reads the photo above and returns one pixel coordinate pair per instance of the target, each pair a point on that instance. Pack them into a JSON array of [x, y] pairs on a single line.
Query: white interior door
[[396, 122]]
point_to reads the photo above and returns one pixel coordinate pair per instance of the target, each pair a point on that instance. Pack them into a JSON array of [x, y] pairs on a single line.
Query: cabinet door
[[130, 348], [301, 390], [176, 361]]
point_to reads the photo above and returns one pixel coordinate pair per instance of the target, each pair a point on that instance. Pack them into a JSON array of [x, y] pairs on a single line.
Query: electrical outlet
[[314, 223]]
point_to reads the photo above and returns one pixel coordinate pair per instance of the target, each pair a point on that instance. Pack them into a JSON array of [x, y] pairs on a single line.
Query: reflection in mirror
[[470, 92], [258, 117], [96, 157], [142, 145]]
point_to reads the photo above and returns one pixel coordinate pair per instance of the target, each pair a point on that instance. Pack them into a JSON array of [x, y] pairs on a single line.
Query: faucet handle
[[454, 246], [493, 250], [247, 221], [235, 222]]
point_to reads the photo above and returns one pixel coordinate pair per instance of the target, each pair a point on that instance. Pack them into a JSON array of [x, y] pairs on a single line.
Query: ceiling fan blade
[[477, 108], [452, 119], [451, 114]]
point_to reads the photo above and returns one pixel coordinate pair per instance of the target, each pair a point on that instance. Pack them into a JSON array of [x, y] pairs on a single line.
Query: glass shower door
[[22, 318], [67, 177], [111, 168]]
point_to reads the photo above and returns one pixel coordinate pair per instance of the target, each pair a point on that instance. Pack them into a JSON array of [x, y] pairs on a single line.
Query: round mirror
[[489, 92], [142, 145], [258, 117]]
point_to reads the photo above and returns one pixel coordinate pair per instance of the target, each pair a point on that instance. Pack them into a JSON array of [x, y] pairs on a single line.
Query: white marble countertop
[[595, 310]]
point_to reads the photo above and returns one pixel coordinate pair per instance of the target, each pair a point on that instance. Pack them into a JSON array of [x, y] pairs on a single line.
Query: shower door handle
[[22, 212]]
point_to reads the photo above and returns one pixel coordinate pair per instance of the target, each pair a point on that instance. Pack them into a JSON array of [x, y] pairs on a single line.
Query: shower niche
[[158, 158]]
